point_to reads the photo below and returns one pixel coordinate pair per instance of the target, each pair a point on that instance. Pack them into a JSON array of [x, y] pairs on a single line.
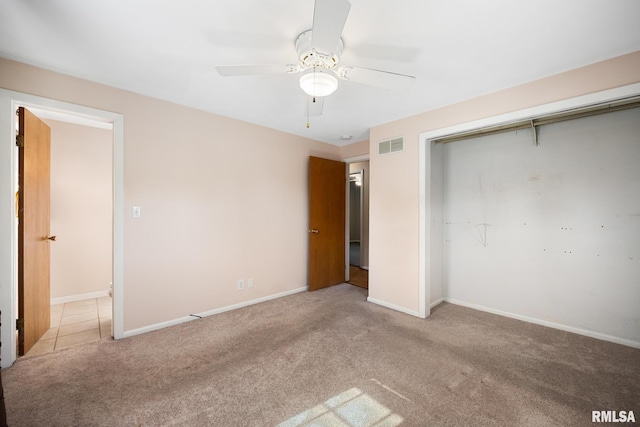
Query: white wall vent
[[391, 146]]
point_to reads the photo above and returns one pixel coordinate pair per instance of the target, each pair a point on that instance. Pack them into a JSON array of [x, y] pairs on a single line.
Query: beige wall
[[81, 209], [220, 200], [394, 192], [355, 149]]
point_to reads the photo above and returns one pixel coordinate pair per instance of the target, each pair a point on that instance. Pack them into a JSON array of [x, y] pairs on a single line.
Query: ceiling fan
[[319, 51]]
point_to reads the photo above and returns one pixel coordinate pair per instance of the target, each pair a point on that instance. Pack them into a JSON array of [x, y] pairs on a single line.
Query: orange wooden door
[[34, 300], [327, 192]]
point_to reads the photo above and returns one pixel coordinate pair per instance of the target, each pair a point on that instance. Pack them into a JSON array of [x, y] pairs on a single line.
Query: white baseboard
[[195, 316], [157, 326], [79, 297], [394, 307], [579, 331]]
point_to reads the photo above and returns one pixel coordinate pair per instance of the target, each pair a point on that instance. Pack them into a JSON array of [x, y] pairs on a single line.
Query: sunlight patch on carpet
[[352, 408]]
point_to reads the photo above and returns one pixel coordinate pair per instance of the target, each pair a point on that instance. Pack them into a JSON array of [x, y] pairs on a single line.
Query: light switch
[[135, 211]]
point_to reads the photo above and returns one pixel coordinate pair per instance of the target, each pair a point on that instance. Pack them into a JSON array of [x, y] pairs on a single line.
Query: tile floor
[[75, 323]]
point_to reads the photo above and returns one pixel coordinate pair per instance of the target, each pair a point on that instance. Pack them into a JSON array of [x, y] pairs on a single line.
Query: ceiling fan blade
[[329, 17], [383, 79], [314, 108], [248, 70]]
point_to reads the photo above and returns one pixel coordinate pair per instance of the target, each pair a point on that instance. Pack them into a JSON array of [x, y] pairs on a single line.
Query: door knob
[[53, 238], [314, 231]]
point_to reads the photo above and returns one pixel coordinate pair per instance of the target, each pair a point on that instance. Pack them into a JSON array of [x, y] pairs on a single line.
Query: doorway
[[355, 218], [9, 102], [358, 223], [81, 209]]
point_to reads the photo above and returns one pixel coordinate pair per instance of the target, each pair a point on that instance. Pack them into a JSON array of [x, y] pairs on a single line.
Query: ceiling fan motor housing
[[310, 57]]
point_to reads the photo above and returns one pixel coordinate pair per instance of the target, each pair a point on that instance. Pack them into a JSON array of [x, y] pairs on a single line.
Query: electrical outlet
[[249, 283], [240, 284]]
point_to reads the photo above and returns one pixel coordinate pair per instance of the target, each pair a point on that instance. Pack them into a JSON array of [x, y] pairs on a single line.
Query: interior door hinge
[[20, 324], [20, 141]]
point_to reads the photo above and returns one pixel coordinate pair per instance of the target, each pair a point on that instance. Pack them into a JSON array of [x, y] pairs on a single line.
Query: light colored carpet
[[329, 358]]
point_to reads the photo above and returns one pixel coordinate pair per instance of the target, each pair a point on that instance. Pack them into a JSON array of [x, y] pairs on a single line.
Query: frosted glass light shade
[[318, 82]]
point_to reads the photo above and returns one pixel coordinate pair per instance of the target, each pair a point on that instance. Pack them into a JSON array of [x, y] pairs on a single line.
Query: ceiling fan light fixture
[[318, 82]]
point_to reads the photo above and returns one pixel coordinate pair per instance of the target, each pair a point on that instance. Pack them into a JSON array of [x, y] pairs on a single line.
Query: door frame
[[9, 103], [348, 161], [431, 269]]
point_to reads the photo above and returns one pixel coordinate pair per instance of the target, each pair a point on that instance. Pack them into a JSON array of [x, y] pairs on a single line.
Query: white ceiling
[[456, 49]]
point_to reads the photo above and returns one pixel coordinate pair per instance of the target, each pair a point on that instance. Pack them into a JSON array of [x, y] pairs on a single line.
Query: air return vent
[[391, 146]]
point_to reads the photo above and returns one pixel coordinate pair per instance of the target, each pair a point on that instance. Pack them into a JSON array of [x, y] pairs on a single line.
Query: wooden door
[[327, 200], [34, 300]]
